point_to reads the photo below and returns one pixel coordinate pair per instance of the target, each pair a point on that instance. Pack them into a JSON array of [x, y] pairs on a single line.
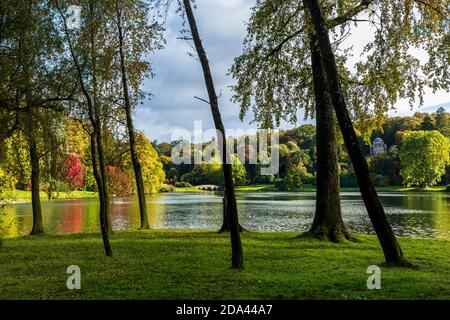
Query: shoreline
[[24, 197]]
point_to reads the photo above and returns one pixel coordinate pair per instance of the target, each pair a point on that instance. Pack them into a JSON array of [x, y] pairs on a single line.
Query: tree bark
[[237, 256], [38, 226], [95, 136], [130, 126], [226, 224], [98, 125], [101, 194], [391, 249], [328, 223]]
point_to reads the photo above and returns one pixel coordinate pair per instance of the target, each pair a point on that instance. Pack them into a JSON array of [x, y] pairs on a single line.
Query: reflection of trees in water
[[123, 213], [72, 219], [9, 224], [419, 215], [156, 211], [91, 211], [442, 218], [431, 218]]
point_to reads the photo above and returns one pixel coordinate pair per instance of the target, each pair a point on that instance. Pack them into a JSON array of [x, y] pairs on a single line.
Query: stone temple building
[[378, 147]]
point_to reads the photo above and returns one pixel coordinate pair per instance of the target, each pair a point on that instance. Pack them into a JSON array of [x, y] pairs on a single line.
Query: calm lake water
[[411, 214]]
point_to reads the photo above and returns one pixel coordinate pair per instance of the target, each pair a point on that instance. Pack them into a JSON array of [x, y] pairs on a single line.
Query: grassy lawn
[[191, 189], [195, 265], [257, 187], [312, 188], [25, 196]]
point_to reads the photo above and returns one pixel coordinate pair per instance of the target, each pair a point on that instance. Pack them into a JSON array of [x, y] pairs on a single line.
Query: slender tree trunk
[[98, 125], [226, 223], [130, 126], [391, 249], [237, 259], [101, 194], [95, 136], [328, 223], [38, 226]]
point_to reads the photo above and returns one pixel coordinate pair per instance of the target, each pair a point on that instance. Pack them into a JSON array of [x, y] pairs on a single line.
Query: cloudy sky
[[178, 76]]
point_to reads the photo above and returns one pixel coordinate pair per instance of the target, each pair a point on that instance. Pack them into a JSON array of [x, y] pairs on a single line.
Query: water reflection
[[411, 214]]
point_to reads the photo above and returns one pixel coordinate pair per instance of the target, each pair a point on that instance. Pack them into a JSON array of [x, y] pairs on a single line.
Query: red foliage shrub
[[119, 182], [72, 171]]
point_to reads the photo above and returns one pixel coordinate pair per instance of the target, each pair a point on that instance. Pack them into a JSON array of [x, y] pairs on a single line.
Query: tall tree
[[424, 155], [328, 222], [32, 81], [237, 259], [145, 38], [388, 241], [274, 76], [90, 94]]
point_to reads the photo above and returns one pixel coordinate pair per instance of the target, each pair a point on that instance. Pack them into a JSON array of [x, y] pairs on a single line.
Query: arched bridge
[[208, 187]]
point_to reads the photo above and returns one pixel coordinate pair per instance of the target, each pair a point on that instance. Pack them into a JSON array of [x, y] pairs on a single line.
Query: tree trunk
[[226, 224], [101, 194], [98, 127], [38, 226], [391, 249], [328, 223], [95, 136], [130, 126], [237, 256]]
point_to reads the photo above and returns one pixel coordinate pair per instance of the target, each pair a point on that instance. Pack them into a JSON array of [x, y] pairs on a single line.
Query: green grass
[[25, 196], [195, 265], [257, 187], [312, 188], [190, 189]]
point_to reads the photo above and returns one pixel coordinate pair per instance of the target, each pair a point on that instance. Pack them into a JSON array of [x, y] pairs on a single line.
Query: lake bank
[[312, 188], [195, 265], [21, 196]]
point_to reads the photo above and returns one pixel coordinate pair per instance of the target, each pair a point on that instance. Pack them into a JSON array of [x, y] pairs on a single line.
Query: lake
[[424, 215]]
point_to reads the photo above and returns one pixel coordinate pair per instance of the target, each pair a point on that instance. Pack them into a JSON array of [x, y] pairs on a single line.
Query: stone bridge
[[208, 187]]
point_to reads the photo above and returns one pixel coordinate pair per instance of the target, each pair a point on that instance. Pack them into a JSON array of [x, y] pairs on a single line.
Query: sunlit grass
[[25, 196], [196, 265]]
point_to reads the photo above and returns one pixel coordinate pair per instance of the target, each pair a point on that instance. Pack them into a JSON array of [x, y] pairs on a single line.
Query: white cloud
[[179, 76]]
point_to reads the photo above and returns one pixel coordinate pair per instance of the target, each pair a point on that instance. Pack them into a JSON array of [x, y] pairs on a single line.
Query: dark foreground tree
[[391, 249], [275, 77], [237, 259], [328, 222]]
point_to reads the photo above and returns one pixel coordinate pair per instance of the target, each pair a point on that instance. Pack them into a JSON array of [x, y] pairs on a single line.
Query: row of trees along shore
[[294, 58], [413, 152]]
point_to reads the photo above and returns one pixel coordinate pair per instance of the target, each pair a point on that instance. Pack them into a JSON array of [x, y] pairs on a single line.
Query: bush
[[448, 188], [183, 185], [166, 188], [307, 178], [280, 185], [119, 182], [293, 181], [72, 171], [380, 181], [348, 180], [7, 181]]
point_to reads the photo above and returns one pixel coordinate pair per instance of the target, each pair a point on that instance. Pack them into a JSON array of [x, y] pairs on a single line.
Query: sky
[[179, 78]]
